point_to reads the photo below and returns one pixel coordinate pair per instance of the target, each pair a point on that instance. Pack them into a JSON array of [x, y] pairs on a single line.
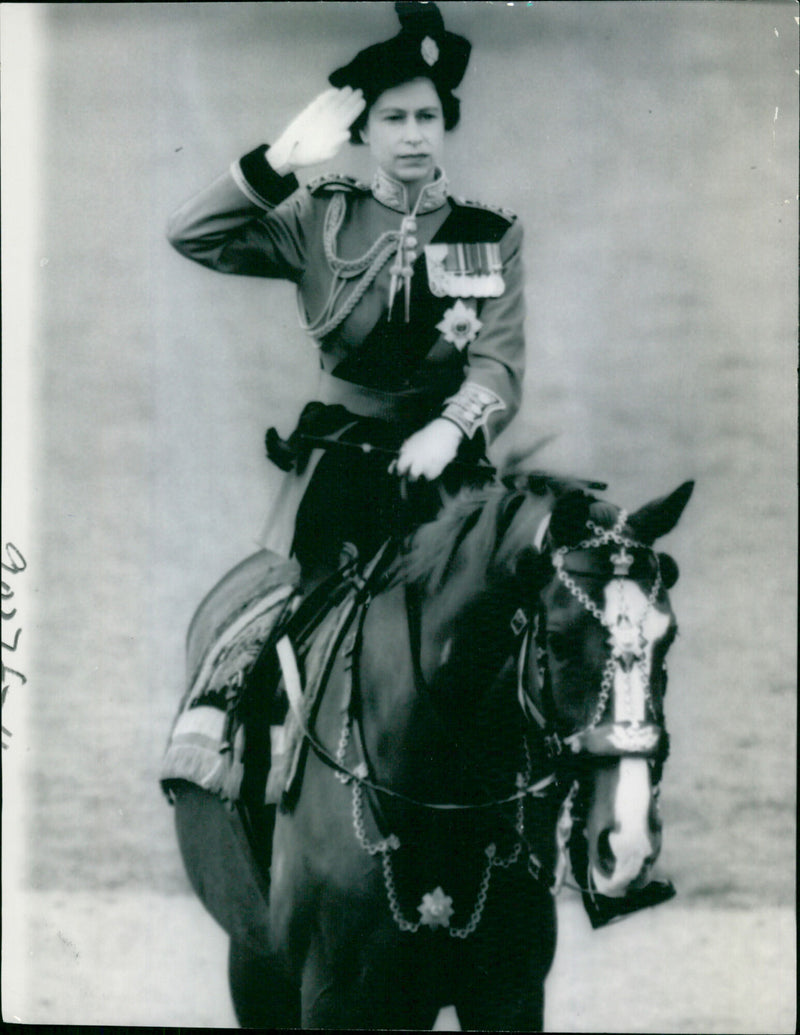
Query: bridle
[[351, 736], [628, 643], [626, 638]]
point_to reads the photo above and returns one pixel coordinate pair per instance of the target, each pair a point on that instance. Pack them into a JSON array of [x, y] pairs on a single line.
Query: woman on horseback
[[413, 298]]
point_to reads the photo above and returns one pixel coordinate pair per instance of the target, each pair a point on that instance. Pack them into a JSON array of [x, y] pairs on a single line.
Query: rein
[[436, 907], [359, 774]]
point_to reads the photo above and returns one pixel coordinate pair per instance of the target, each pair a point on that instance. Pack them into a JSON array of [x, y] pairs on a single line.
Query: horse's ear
[[659, 517], [570, 514]]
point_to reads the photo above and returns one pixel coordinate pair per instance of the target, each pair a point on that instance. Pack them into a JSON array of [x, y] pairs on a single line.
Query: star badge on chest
[[460, 325]]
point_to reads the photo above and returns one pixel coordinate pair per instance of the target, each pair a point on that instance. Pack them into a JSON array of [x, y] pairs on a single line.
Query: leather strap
[[291, 678]]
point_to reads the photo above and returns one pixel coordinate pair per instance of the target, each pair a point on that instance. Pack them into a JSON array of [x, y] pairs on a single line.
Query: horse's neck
[[426, 725], [470, 635]]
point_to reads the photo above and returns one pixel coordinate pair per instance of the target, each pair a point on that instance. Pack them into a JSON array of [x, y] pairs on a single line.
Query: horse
[[495, 705]]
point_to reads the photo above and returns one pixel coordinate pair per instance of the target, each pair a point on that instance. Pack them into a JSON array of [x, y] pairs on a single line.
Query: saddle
[[234, 734], [205, 745]]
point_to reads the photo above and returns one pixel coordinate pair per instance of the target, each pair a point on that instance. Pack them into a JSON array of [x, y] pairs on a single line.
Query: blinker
[[669, 570]]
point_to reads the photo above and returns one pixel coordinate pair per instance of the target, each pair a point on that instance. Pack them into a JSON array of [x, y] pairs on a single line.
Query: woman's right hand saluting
[[318, 132]]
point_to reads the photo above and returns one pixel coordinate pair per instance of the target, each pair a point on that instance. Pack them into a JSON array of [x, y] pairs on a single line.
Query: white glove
[[428, 451], [318, 132]]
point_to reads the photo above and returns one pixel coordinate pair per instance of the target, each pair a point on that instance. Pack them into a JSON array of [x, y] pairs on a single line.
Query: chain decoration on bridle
[[626, 640], [628, 647]]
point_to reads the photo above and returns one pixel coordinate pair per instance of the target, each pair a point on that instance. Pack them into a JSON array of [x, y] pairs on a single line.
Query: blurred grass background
[[650, 150]]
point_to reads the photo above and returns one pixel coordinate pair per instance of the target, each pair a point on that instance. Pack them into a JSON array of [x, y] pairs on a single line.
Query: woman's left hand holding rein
[[427, 452]]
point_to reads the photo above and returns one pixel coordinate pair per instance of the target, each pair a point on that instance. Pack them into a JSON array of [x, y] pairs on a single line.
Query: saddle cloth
[[224, 640]]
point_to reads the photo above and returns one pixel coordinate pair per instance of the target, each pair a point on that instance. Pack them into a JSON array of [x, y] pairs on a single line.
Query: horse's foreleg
[[263, 996], [369, 989], [500, 981], [520, 1012]]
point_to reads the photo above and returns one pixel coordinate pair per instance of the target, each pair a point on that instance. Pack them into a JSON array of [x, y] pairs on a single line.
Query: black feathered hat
[[423, 47]]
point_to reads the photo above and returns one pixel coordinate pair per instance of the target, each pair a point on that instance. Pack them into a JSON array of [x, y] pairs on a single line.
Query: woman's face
[[405, 131]]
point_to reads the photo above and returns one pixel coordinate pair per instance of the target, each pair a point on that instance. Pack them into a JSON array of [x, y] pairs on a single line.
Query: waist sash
[[413, 408]]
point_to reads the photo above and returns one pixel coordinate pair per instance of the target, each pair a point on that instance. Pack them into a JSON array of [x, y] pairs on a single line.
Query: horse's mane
[[468, 520], [481, 533], [478, 534]]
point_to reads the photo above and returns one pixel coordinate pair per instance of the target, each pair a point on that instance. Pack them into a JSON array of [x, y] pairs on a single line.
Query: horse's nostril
[[605, 853]]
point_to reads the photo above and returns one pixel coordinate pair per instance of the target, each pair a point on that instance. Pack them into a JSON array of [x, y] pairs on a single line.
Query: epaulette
[[496, 210], [336, 182]]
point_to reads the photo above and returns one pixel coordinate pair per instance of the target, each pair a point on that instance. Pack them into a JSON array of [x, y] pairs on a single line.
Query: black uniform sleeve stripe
[[263, 179]]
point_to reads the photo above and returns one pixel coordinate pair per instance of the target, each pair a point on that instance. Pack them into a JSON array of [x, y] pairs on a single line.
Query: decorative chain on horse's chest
[[436, 907]]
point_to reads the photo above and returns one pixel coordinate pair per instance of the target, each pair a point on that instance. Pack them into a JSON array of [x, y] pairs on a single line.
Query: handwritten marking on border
[[14, 564]]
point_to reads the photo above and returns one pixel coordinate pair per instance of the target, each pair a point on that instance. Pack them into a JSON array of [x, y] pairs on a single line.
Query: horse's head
[[603, 628], [585, 577]]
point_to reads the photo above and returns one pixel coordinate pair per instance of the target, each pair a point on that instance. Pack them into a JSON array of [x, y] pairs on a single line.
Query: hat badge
[[429, 51]]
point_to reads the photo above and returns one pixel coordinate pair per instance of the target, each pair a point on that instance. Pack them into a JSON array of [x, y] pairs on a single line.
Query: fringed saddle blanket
[[224, 640]]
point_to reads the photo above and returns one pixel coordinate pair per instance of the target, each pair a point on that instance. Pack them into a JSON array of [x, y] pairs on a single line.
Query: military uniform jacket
[[454, 347]]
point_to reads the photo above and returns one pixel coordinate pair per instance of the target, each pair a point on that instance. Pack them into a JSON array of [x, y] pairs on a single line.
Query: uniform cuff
[[471, 407], [256, 178]]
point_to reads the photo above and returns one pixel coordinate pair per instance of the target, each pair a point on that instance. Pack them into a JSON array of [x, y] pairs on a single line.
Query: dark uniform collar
[[393, 194]]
